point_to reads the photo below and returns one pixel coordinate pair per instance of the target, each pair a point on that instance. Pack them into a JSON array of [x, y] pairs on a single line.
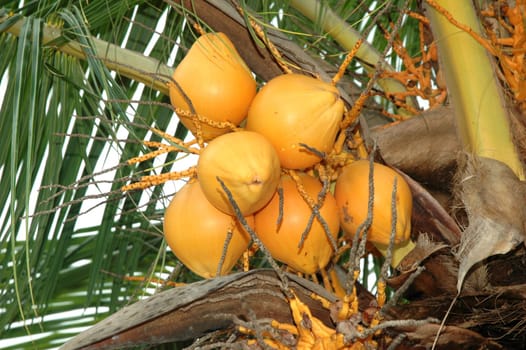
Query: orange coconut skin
[[352, 195], [247, 164], [295, 109], [282, 241], [216, 80], [196, 232]]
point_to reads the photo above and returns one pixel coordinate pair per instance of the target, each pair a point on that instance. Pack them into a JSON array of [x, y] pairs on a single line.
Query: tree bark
[[194, 310]]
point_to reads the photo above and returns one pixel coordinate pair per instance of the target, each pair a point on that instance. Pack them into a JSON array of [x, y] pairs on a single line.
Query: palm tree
[[85, 86]]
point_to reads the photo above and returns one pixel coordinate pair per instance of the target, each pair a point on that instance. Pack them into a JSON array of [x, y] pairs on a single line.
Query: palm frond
[[61, 118]]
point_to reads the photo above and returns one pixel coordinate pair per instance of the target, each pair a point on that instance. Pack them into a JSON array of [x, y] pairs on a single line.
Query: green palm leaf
[[61, 119]]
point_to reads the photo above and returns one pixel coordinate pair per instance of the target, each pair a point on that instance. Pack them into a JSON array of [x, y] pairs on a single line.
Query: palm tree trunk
[[482, 120]]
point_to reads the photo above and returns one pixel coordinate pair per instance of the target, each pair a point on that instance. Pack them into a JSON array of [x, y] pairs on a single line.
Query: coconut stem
[[397, 253], [476, 94], [225, 248], [358, 245], [315, 210], [394, 253], [123, 61]]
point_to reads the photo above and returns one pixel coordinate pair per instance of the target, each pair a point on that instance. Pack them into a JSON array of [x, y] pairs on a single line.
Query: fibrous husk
[[424, 248], [433, 265], [493, 198], [451, 337], [430, 216], [494, 314]]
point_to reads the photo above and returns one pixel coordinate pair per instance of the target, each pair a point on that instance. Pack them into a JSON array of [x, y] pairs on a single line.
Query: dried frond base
[[493, 198]]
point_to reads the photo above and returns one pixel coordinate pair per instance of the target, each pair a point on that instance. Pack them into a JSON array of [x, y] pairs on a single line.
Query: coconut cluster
[[264, 172]]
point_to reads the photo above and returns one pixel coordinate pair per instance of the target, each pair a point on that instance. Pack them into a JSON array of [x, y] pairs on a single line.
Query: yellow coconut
[[215, 79], [247, 164], [352, 197], [294, 109], [283, 240], [196, 232]]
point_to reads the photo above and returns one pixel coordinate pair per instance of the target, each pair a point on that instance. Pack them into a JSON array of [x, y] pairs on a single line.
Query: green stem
[[476, 94], [125, 62]]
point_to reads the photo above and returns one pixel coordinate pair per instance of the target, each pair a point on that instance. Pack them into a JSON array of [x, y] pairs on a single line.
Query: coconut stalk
[[482, 120], [490, 172], [152, 72]]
